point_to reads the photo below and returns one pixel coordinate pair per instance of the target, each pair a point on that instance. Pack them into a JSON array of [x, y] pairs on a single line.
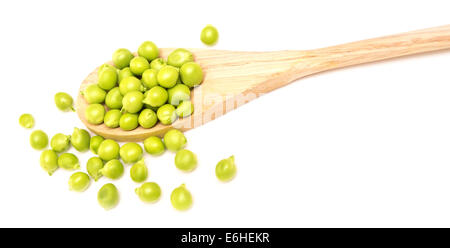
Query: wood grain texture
[[233, 78]]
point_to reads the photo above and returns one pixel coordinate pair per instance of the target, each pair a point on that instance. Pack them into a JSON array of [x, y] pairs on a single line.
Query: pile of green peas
[[143, 90]]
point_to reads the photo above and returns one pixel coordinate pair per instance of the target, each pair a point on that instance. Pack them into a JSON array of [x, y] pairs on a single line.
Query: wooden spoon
[[232, 78]]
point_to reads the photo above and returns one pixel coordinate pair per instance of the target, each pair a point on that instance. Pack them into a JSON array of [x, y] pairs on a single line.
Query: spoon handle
[[360, 52]]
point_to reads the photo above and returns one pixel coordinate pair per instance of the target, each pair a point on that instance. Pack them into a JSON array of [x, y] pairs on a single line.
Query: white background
[[366, 146]]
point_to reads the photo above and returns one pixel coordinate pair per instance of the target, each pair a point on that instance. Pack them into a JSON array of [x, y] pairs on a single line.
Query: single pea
[[95, 143], [139, 171], [149, 78], [130, 84], [112, 118], [100, 68], [79, 181], [124, 73], [148, 50], [181, 198], [226, 169], [108, 150], [178, 93], [138, 65], [157, 64], [185, 160], [191, 74], [80, 139], [179, 56], [107, 79], [93, 167], [147, 118], [130, 152], [153, 145], [49, 161], [185, 109], [122, 57], [108, 196], [128, 121], [95, 113], [64, 101], [132, 102], [149, 192], [60, 142], [94, 94], [113, 169], [167, 76], [166, 114], [156, 96], [38, 139], [26, 121], [174, 140], [113, 99], [68, 161], [209, 35]]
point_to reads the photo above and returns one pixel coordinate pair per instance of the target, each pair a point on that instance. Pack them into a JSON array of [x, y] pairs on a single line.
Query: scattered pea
[[64, 101], [185, 160], [130, 152], [181, 198], [93, 167], [68, 161], [38, 139], [113, 169], [26, 121], [60, 142], [209, 35], [79, 181], [80, 139], [139, 171], [108, 196], [108, 150], [149, 192], [174, 140], [49, 161], [153, 145], [226, 169], [95, 143]]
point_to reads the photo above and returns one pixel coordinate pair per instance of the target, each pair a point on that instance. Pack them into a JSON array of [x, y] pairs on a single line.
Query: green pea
[[156, 96], [178, 93], [166, 114], [122, 57], [113, 99], [113, 169], [112, 118], [79, 181], [149, 78], [153, 145], [157, 64], [149, 192], [49, 161], [60, 142], [26, 121], [124, 73], [185, 160], [174, 140], [130, 152], [148, 50], [108, 196], [179, 57], [139, 171], [128, 121], [95, 143], [186, 108], [191, 74], [95, 113], [94, 94], [132, 101], [107, 78], [181, 198], [138, 65], [130, 84], [93, 167], [108, 150], [209, 35], [226, 169], [64, 101], [38, 139], [167, 76], [147, 118], [68, 161], [80, 139]]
